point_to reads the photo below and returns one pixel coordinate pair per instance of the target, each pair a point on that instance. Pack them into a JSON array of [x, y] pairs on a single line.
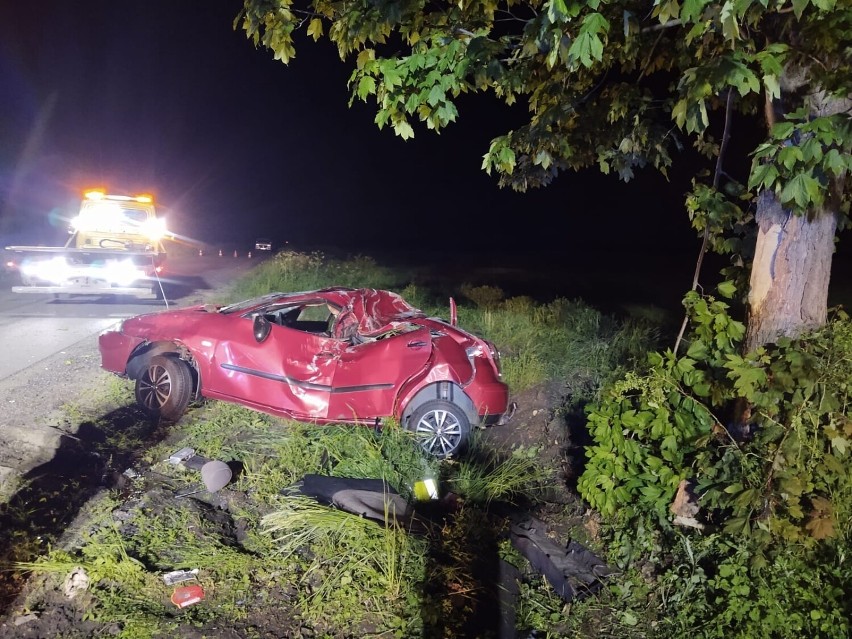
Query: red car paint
[[366, 356]]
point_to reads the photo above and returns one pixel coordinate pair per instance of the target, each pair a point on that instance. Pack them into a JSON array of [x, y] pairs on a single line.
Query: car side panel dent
[[367, 373], [291, 370]]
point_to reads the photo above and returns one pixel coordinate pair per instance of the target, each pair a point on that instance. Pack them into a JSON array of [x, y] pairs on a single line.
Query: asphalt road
[[33, 327]]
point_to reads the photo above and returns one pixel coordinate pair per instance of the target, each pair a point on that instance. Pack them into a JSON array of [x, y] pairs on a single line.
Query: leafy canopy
[[617, 84]]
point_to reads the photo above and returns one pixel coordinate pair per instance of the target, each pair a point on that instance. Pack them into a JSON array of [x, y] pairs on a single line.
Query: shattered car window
[[315, 316]]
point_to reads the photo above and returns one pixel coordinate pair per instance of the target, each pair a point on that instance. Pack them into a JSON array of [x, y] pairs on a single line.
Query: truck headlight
[[124, 273], [55, 270]]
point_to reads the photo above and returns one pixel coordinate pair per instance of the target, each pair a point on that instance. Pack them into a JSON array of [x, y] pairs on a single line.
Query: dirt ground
[[41, 397]]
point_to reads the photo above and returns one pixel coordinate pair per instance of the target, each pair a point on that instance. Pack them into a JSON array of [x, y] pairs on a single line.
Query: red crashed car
[[333, 355]]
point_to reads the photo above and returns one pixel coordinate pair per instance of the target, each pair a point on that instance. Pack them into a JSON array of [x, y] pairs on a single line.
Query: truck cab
[[118, 223]]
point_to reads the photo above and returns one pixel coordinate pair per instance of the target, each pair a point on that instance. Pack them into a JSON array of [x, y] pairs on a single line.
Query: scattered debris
[[216, 475], [184, 596], [179, 576], [20, 620], [76, 582], [685, 506], [572, 570], [130, 474], [180, 456], [426, 489]]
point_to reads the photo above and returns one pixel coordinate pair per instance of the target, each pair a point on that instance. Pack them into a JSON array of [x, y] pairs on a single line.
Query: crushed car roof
[[373, 308]]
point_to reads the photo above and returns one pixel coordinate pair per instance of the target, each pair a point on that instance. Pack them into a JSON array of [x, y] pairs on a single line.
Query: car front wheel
[[164, 388], [441, 428]]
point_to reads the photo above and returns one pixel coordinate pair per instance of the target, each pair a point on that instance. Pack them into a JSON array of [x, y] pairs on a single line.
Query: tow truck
[[115, 247]]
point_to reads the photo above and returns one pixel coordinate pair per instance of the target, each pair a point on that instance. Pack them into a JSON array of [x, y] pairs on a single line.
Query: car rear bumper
[[492, 402]]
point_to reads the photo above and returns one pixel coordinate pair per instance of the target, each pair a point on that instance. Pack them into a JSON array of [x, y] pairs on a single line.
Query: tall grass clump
[[353, 569], [563, 339], [486, 475], [293, 271]]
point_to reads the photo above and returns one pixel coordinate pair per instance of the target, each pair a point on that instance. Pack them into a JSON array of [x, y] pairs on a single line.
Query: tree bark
[[791, 270], [788, 288]]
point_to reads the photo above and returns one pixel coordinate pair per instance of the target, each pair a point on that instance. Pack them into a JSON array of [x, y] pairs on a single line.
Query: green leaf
[[799, 7], [802, 190], [697, 350], [403, 129], [730, 27], [685, 364], [315, 28], [833, 162], [557, 11], [727, 289], [588, 45], [762, 176], [783, 130], [772, 85], [789, 156], [679, 113], [651, 492], [436, 95], [840, 444], [737, 526], [692, 10], [366, 87]]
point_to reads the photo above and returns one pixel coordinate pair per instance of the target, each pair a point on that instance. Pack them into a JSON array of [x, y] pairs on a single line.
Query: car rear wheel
[[441, 428], [164, 388]]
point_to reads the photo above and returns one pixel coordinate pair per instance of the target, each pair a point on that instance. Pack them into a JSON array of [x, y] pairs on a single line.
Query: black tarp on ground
[[572, 570]]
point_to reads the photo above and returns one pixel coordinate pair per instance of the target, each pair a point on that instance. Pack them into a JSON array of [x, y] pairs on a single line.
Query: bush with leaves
[[774, 492]]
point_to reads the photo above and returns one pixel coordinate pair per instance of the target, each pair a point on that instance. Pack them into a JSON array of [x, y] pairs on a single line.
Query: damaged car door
[[368, 375], [285, 367]]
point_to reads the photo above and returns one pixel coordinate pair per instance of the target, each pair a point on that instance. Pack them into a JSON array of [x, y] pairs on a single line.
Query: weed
[[488, 475], [341, 552]]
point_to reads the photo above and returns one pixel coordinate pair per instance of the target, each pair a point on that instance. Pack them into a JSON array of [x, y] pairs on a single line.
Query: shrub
[[775, 494]]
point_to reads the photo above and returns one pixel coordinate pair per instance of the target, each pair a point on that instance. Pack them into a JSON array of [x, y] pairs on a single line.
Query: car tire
[[164, 388], [440, 428]]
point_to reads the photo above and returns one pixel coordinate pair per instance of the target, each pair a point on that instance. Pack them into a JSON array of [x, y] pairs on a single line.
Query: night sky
[[164, 96]]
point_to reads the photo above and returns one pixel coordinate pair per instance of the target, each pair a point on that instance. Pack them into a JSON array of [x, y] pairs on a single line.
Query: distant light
[[95, 195], [144, 198]]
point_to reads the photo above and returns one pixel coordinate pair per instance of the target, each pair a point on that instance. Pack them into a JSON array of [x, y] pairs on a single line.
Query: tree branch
[[717, 174], [661, 26]]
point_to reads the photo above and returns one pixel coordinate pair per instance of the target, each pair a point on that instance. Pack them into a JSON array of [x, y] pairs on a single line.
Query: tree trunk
[[788, 289], [789, 276]]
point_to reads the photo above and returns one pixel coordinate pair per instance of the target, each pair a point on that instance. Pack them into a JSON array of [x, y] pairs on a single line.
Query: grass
[[487, 475], [259, 548]]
